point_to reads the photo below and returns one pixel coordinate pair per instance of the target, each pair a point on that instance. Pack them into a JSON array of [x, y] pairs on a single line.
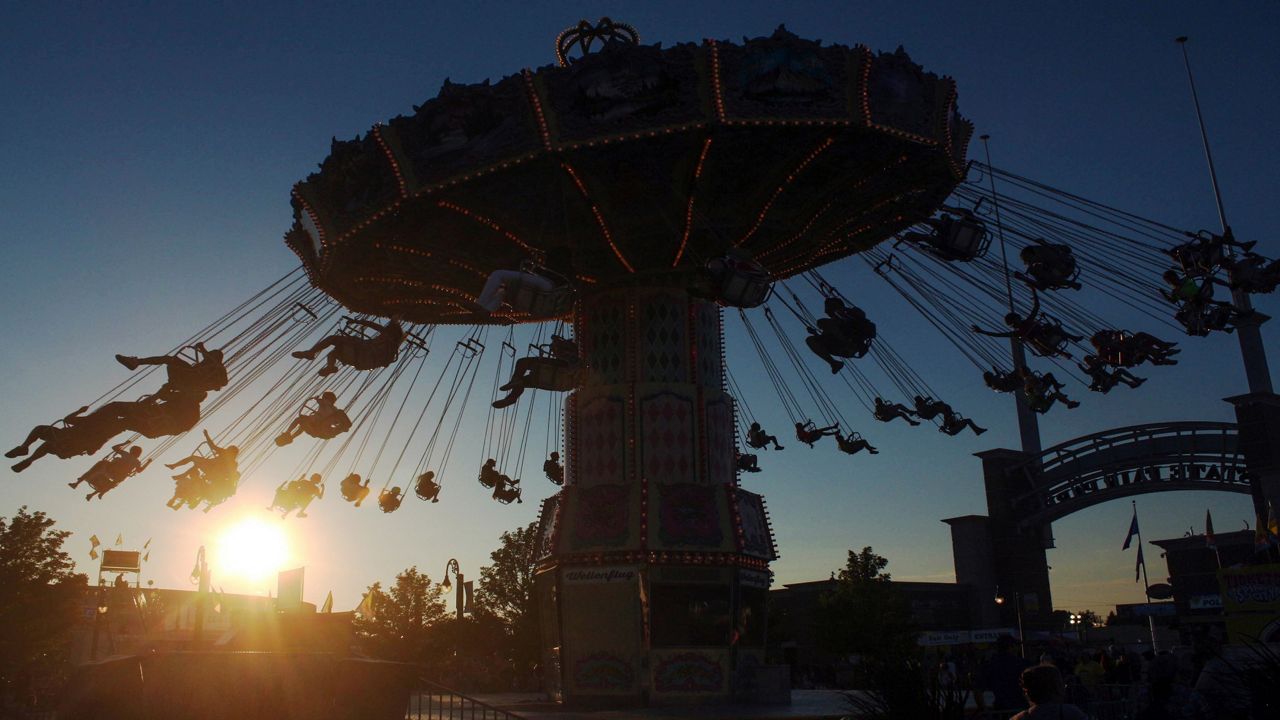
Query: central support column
[[653, 568]]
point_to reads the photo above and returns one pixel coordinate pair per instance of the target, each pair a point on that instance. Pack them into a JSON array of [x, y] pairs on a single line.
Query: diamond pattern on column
[[663, 339], [606, 321], [710, 360], [600, 431], [668, 445]]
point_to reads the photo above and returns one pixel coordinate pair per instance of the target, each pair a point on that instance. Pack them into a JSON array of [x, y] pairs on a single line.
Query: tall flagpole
[[1145, 583]]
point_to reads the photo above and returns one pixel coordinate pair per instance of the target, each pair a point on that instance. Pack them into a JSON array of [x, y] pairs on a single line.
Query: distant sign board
[[1160, 591], [121, 561], [1205, 602], [963, 637]]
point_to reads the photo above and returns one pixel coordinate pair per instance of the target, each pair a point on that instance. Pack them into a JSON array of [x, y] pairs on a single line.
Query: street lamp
[[452, 566], [1017, 608]]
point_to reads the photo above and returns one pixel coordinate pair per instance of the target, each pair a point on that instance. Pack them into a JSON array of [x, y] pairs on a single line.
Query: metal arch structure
[[1134, 460]]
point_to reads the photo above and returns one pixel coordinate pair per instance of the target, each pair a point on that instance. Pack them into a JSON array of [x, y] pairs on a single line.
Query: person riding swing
[[538, 290], [389, 500], [1042, 390], [1044, 337], [206, 374], [78, 434], [1002, 381], [888, 412], [1103, 380], [109, 472], [556, 372], [359, 352], [218, 473], [553, 468], [809, 433], [853, 443], [845, 332], [426, 487], [758, 439], [952, 422], [326, 421], [1049, 266], [507, 490], [1119, 348], [353, 491]]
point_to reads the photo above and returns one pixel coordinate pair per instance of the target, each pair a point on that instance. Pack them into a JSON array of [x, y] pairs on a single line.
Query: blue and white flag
[[1133, 531]]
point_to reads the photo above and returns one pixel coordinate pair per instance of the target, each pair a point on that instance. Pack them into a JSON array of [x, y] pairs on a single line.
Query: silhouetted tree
[[865, 614], [506, 593], [39, 597], [399, 620]]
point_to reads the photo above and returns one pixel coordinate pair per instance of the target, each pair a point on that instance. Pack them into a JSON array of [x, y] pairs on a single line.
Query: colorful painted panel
[[604, 671], [599, 438], [601, 517], [548, 525], [664, 344], [721, 446], [757, 537], [689, 516], [668, 447], [689, 672], [784, 76], [617, 92]]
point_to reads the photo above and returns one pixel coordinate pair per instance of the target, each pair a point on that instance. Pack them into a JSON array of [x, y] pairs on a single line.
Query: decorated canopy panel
[[638, 161]]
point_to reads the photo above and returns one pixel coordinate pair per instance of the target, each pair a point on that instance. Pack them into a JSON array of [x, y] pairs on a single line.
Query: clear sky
[[148, 150]]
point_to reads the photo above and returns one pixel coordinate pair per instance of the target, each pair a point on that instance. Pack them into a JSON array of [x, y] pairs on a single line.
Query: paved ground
[[805, 705]]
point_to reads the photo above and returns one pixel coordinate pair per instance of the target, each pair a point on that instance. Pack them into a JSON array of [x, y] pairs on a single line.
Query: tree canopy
[[864, 614], [40, 593], [506, 592], [395, 623]]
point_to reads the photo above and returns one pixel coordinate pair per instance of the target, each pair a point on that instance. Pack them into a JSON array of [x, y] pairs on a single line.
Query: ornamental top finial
[[584, 35]]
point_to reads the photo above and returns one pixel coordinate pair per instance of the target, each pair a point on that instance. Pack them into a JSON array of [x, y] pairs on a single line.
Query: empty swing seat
[[745, 288], [960, 239]]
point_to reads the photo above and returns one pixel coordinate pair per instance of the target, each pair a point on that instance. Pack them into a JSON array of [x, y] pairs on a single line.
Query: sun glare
[[252, 550]]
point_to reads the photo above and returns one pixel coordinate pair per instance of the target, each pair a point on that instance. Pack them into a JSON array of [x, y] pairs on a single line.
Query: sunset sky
[[149, 149]]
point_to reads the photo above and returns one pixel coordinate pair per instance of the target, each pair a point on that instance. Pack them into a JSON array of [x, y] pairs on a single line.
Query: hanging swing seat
[[528, 297], [389, 500], [426, 488], [744, 287], [553, 375], [961, 237]]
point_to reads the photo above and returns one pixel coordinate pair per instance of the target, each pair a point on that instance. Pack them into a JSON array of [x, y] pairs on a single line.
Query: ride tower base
[[653, 568]]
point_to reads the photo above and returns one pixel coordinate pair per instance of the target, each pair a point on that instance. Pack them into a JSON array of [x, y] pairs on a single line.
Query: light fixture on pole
[[452, 566], [1017, 608]]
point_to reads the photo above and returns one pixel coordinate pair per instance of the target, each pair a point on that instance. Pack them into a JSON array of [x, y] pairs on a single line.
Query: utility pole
[[1028, 423], [1256, 370]]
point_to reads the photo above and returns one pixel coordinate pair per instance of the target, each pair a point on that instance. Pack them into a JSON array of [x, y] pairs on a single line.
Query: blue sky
[[148, 151]]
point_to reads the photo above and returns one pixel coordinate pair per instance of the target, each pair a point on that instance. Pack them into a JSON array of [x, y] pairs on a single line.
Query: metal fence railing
[[432, 701]]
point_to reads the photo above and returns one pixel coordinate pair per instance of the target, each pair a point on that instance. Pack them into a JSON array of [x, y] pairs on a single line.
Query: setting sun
[[252, 550]]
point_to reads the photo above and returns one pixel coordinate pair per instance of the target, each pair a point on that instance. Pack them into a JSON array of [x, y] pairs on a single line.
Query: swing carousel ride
[[632, 193]]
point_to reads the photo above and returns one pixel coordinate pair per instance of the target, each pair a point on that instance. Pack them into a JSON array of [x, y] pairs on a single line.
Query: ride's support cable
[[826, 407], [790, 405]]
